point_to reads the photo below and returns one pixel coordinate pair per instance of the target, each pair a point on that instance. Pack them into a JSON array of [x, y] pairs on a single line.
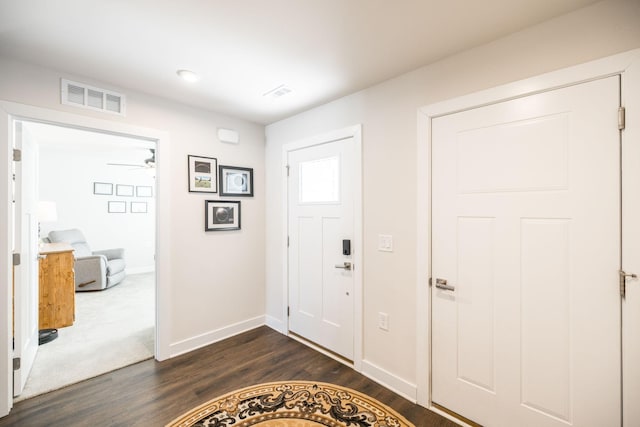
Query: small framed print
[[221, 215], [203, 174], [138, 207], [124, 190], [117, 207], [103, 188], [236, 181], [144, 191]]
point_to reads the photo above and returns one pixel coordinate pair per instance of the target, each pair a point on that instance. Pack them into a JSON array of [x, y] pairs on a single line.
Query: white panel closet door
[[526, 229]]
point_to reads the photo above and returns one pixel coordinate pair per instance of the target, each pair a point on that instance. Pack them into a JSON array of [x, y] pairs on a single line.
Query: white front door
[[526, 234], [320, 227], [26, 244]]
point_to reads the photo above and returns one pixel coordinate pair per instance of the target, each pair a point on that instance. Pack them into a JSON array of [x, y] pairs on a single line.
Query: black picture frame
[[222, 215], [138, 207], [124, 190], [235, 181], [103, 188], [144, 191], [117, 207], [203, 174]]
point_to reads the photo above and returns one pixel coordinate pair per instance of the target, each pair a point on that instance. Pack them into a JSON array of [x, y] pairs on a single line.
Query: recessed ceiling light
[[188, 76]]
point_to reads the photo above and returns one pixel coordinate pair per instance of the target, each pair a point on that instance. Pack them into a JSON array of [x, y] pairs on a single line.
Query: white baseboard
[[381, 376], [276, 324], [392, 382], [205, 339], [140, 270]]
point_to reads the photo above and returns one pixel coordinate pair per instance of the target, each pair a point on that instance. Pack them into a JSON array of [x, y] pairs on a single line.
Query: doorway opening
[[104, 186]]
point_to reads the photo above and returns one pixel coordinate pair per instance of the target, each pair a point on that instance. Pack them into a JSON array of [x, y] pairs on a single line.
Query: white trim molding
[[391, 381], [11, 112], [199, 341], [609, 66], [631, 245], [141, 270], [276, 324], [356, 133]]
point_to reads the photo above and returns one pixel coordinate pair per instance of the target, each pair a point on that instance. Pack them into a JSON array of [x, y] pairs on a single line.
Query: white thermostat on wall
[[229, 136]]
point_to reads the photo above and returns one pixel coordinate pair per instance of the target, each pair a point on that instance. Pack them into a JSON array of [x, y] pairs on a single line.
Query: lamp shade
[[47, 211]]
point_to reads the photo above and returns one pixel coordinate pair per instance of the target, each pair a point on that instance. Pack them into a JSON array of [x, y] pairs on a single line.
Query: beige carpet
[[293, 404], [113, 328]]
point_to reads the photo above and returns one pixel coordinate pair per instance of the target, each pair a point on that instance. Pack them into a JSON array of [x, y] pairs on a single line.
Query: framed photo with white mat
[[202, 174], [221, 215], [236, 181]]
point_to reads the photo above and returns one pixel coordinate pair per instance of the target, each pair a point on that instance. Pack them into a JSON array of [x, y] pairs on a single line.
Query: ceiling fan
[[149, 163]]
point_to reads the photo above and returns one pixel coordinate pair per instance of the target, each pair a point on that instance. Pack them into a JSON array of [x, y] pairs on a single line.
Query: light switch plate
[[383, 321], [385, 242]]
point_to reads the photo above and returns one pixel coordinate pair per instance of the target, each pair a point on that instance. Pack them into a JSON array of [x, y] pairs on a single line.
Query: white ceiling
[[320, 49]]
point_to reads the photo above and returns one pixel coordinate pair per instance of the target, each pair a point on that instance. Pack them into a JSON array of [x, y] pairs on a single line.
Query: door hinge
[[288, 311], [622, 116], [287, 170], [16, 363], [17, 155], [287, 241], [430, 282], [16, 259], [623, 281]]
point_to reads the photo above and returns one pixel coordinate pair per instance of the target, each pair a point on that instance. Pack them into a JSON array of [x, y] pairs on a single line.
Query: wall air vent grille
[[114, 103], [75, 94], [93, 98], [277, 92]]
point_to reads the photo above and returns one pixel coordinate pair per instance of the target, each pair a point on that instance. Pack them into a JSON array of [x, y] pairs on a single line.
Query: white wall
[[217, 278], [66, 177], [388, 115]]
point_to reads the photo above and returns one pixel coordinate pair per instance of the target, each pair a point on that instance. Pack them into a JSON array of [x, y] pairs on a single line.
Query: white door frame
[[613, 65], [9, 112], [25, 289], [356, 133]]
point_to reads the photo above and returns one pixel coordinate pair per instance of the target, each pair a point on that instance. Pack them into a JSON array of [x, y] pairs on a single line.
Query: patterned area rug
[[292, 404]]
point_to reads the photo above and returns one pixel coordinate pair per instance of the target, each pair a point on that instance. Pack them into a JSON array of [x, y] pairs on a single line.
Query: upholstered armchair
[[95, 270]]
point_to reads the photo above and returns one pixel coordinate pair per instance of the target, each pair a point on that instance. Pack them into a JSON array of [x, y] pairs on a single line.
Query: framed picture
[[203, 174], [236, 181], [220, 215], [102, 188], [138, 207], [144, 191], [117, 207], [124, 190]]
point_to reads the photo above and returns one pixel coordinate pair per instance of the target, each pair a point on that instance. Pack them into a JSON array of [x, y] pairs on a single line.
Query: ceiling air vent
[[277, 92], [93, 98]]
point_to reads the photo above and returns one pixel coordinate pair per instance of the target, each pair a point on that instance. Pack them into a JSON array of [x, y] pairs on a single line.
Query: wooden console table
[[57, 307]]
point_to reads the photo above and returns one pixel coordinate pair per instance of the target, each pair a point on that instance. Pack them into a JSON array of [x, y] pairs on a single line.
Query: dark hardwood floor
[[153, 393]]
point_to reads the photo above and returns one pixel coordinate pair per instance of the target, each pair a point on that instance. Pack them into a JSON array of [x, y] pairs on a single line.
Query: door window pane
[[320, 180]]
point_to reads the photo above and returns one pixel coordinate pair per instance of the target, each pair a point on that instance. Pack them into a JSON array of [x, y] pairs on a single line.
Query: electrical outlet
[[383, 321], [385, 242]]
